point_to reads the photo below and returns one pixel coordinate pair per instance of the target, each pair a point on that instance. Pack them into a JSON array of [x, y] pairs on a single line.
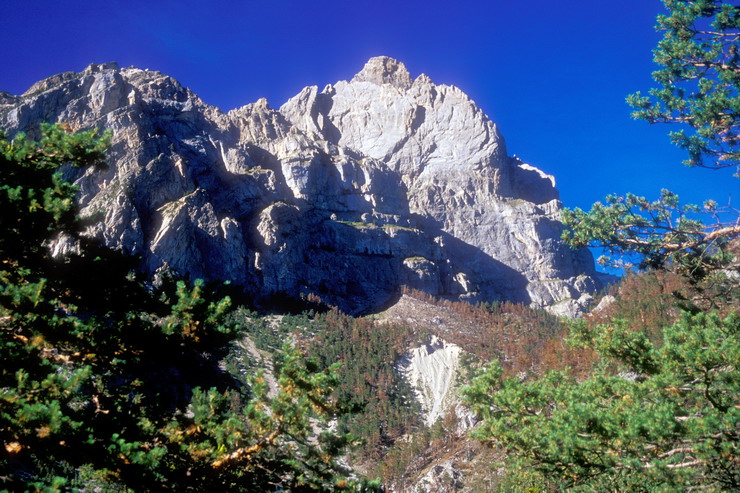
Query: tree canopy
[[661, 233], [110, 382], [666, 417], [699, 81], [661, 410]]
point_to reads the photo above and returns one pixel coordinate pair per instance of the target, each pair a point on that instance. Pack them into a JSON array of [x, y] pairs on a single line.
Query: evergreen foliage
[[109, 383], [667, 420], [660, 410], [699, 80], [379, 404], [660, 233], [699, 90]]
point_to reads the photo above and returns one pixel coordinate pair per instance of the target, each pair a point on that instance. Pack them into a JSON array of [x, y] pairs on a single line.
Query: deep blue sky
[[552, 74]]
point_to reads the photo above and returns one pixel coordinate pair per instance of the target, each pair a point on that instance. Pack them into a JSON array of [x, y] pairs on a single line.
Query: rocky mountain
[[346, 193]]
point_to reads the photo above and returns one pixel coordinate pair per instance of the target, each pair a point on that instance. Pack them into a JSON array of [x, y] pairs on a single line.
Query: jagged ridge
[[347, 193]]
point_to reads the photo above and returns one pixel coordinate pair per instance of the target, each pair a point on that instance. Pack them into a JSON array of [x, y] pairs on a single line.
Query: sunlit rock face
[[346, 193], [431, 370]]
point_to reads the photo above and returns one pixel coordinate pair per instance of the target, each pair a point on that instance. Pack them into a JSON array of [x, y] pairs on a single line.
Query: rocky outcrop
[[440, 478], [431, 371], [345, 193]]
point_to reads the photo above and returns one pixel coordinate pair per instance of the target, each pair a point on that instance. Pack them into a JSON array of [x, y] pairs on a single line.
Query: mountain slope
[[345, 194]]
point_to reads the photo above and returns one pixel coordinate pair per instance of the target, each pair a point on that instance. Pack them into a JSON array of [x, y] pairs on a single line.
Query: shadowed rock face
[[347, 193]]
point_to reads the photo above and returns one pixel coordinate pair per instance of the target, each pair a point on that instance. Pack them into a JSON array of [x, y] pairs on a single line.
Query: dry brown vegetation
[[525, 340], [528, 342]]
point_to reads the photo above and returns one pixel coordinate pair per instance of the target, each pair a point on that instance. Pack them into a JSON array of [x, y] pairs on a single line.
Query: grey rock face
[[346, 193]]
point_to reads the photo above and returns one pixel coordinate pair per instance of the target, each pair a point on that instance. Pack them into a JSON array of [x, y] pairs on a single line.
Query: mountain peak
[[385, 70], [348, 194]]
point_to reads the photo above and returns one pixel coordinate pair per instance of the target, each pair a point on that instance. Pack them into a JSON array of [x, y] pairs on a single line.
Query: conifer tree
[[699, 81], [108, 383], [658, 413], [699, 91]]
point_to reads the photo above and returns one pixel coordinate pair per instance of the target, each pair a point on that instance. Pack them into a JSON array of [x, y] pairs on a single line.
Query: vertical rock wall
[[347, 193]]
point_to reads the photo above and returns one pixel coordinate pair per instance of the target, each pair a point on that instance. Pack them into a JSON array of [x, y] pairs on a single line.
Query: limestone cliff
[[346, 193]]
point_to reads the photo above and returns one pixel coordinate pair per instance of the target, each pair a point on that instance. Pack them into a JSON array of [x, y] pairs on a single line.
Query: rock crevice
[[347, 193]]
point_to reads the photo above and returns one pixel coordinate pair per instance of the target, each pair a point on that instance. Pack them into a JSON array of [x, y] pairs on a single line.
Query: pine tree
[[658, 413], [699, 90], [665, 418], [699, 81], [110, 383]]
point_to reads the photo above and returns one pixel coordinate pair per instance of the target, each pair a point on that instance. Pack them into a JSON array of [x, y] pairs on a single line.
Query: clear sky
[[552, 74]]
